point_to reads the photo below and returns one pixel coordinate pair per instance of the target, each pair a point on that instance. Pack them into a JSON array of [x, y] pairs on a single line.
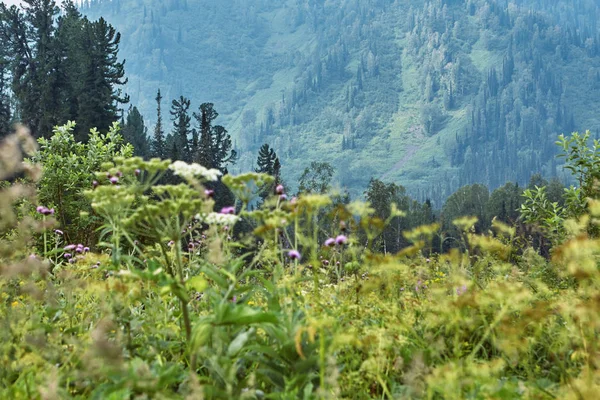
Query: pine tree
[[181, 127], [215, 146], [205, 117], [5, 115], [268, 163], [99, 100], [158, 141], [136, 133]]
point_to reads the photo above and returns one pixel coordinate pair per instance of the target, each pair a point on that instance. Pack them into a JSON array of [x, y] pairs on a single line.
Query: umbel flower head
[[189, 171]]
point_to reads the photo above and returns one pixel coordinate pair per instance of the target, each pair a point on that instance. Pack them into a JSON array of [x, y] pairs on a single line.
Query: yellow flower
[[15, 304]]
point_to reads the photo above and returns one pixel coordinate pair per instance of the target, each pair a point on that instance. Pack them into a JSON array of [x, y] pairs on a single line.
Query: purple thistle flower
[[137, 172], [119, 174], [86, 249], [59, 232], [325, 262], [209, 193], [67, 255], [95, 184], [294, 255], [279, 189], [114, 180], [283, 197], [228, 210], [329, 242], [40, 209], [341, 239], [191, 245], [171, 243], [79, 250], [461, 290], [69, 247], [72, 261]]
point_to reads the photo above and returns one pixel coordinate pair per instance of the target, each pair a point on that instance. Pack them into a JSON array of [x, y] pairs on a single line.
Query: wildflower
[[461, 290], [59, 232], [294, 200], [341, 239], [220, 219], [79, 249], [95, 184], [86, 249], [209, 193], [72, 260], [279, 189], [191, 245], [228, 210], [114, 180], [329, 242], [119, 174], [45, 210], [67, 255], [428, 260], [325, 262], [234, 299], [137, 172], [294, 255], [283, 197], [171, 243], [32, 257], [69, 247], [189, 171]]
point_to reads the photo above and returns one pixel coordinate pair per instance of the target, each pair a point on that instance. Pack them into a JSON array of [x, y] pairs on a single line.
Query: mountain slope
[[430, 95]]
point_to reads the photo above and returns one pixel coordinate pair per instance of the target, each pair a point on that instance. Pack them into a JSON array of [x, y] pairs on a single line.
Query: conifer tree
[[268, 163], [181, 127], [158, 141], [215, 145], [5, 115], [99, 100], [136, 133]]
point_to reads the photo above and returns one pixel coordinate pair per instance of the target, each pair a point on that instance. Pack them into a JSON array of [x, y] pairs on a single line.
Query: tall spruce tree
[[181, 127], [158, 140], [268, 163], [99, 99], [205, 116], [5, 114], [136, 133], [215, 145]]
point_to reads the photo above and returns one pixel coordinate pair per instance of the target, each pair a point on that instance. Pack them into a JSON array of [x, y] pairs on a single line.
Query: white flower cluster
[[189, 171], [214, 218]]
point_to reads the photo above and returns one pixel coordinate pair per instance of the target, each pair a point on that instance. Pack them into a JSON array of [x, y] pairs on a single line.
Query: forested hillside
[[429, 95]]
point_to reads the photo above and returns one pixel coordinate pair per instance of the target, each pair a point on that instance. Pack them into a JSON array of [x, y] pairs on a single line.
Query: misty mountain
[[430, 95]]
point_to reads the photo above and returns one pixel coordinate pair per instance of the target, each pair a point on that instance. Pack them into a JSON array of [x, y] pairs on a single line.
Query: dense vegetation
[[300, 298]]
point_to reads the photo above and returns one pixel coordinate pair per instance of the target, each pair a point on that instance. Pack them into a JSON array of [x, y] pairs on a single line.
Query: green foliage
[[316, 178], [68, 170], [173, 306]]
